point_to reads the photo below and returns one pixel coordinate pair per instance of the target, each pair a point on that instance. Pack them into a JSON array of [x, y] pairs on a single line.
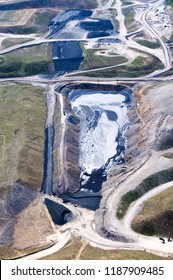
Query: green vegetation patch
[[149, 44], [41, 20], [168, 155], [10, 253], [11, 16], [138, 62], [37, 23], [126, 2], [22, 114], [113, 18], [156, 217], [92, 253], [7, 43], [20, 30], [27, 62], [130, 21], [70, 251], [170, 3], [148, 184], [141, 66], [94, 61]]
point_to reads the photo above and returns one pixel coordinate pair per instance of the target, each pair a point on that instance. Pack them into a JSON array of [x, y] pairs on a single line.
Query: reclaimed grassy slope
[[22, 114], [26, 62], [7, 43], [71, 250], [95, 61], [33, 226], [9, 253], [130, 22], [147, 184], [37, 23], [140, 66], [156, 217], [149, 44], [170, 3]]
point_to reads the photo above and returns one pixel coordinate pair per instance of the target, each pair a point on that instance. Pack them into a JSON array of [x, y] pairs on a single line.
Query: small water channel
[[48, 160]]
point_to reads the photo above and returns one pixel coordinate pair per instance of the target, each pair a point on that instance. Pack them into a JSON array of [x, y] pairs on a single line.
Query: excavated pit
[[96, 121]]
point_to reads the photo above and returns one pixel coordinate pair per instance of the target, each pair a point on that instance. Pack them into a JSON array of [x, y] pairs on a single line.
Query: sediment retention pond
[[101, 114]]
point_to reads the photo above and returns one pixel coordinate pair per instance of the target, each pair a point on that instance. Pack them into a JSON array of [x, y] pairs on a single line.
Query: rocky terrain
[[149, 144], [67, 179]]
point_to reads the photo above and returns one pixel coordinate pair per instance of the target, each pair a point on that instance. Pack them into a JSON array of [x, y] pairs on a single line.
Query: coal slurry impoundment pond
[[103, 121], [100, 113]]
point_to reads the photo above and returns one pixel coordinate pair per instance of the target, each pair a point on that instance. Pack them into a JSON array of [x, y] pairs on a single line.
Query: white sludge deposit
[[103, 116]]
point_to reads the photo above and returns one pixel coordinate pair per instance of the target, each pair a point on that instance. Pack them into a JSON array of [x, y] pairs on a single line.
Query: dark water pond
[[98, 34], [73, 119], [84, 199], [67, 56], [97, 25], [60, 214]]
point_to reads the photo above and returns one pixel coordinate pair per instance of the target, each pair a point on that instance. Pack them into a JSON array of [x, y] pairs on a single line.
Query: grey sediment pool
[[103, 123]]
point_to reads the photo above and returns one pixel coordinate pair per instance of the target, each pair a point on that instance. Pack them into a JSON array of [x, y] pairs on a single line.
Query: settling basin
[[102, 113]]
